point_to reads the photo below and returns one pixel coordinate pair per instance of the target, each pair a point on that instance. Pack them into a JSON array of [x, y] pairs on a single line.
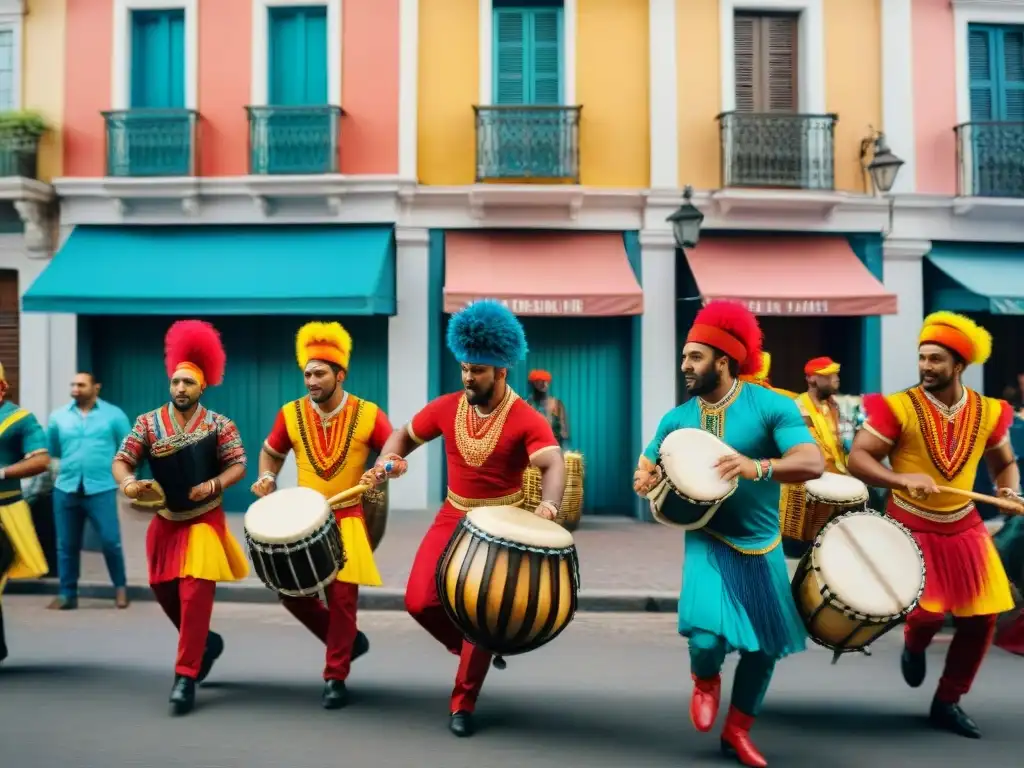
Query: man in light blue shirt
[[85, 435]]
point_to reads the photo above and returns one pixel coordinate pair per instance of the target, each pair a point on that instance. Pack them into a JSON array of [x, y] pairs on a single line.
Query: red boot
[[736, 740], [1011, 637], [704, 703]]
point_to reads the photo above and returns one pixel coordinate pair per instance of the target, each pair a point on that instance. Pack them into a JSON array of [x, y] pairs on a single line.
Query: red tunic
[[524, 434]]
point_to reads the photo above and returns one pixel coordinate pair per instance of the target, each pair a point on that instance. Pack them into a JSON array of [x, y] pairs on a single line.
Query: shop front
[[579, 298], [814, 295], [256, 284]]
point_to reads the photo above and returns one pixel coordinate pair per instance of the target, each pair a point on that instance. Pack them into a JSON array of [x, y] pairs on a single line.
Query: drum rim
[[859, 499], [833, 599], [734, 484], [317, 534], [490, 538]]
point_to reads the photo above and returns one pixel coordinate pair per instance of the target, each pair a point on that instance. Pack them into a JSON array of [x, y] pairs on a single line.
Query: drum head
[[835, 487], [689, 457], [286, 516], [870, 564], [520, 526]]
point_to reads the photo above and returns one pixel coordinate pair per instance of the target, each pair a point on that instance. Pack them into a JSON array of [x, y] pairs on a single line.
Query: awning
[[980, 278], [536, 273], [214, 270], [788, 276]]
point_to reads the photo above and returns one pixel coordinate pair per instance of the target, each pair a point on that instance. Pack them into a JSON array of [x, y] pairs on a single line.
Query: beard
[[539, 394], [480, 397], [824, 393], [324, 395], [704, 385], [939, 383], [184, 407]]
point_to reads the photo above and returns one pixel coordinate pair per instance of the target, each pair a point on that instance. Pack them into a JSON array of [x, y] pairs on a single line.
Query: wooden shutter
[[765, 58], [10, 332], [546, 56], [1013, 75], [510, 62], [981, 67]]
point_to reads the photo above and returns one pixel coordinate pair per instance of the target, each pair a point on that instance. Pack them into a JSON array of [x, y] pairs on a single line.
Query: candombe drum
[[861, 578], [509, 580], [692, 489], [806, 508], [571, 508], [294, 542]]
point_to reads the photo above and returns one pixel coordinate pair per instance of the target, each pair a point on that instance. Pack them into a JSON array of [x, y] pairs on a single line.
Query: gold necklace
[[475, 450]]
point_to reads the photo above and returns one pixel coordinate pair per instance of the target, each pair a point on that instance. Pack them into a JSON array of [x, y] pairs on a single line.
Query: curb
[[370, 599]]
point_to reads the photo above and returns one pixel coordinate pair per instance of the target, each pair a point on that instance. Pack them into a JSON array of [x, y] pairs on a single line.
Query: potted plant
[[20, 132]]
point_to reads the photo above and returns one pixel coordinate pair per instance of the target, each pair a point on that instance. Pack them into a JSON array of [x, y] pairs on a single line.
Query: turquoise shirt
[[21, 436], [86, 443], [760, 424]]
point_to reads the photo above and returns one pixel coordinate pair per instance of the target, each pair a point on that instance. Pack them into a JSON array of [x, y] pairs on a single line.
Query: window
[[8, 71], [766, 62], [297, 56], [995, 57], [528, 55], [158, 59]]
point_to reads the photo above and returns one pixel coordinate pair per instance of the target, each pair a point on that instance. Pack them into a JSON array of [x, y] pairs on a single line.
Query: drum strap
[[465, 504]]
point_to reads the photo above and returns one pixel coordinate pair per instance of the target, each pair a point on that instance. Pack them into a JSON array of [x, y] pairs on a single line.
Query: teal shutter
[[981, 65], [297, 56], [1012, 60], [158, 59], [527, 56]]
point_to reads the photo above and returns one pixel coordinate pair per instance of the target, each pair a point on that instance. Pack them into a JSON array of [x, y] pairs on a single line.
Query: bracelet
[[551, 504], [759, 468], [268, 475], [3, 473], [771, 469], [128, 481]]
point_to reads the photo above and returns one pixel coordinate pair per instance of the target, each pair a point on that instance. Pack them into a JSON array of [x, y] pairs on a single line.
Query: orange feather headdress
[[958, 333], [329, 342]]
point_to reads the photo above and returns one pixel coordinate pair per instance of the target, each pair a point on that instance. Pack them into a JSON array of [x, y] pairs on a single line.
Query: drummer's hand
[[137, 487], [736, 465], [264, 487], [919, 486], [644, 481], [1011, 494], [202, 491], [399, 466], [547, 510], [371, 477]]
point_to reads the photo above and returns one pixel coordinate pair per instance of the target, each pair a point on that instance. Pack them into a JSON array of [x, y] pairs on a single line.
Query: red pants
[[188, 603], [334, 624], [970, 643], [423, 604]]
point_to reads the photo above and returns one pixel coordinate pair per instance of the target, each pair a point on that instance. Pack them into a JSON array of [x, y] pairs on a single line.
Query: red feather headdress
[[195, 344], [730, 328]]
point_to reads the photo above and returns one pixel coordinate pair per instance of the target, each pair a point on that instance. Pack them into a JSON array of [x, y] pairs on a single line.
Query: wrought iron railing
[[151, 142], [990, 159], [778, 150], [19, 156], [293, 140], [527, 142]]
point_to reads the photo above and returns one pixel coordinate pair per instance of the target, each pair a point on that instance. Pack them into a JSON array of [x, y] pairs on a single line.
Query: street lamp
[[686, 221], [884, 166]]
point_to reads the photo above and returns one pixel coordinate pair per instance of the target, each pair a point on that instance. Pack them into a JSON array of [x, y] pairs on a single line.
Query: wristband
[[771, 469], [128, 481], [759, 468], [268, 476], [3, 473], [551, 504]]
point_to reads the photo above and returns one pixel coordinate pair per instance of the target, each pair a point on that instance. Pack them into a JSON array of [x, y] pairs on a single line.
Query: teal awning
[[214, 270], [978, 277]]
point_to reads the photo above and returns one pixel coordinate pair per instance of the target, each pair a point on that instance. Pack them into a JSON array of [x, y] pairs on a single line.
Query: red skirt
[[201, 548]]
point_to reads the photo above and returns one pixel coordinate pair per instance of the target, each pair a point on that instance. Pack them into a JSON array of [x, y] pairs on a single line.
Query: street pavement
[[88, 689]]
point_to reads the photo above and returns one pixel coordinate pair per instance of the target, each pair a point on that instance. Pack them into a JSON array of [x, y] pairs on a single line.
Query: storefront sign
[[787, 306], [535, 307]]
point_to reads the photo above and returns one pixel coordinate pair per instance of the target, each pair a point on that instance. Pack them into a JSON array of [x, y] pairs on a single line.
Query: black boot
[[914, 667], [183, 695], [360, 646], [950, 717], [461, 724], [335, 694], [3, 641], [214, 648]]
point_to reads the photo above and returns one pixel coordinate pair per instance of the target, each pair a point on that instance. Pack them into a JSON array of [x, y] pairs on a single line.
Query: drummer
[[736, 588], [332, 433], [189, 553], [490, 436], [550, 406], [821, 413], [964, 575]]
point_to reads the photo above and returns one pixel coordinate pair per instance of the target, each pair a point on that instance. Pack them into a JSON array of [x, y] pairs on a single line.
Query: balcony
[[293, 140], [528, 143], [19, 156], [778, 150], [990, 159], [151, 142]]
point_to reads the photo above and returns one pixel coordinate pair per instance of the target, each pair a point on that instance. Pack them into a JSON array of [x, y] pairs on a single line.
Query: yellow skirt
[[29, 560], [202, 549], [212, 557], [360, 567]]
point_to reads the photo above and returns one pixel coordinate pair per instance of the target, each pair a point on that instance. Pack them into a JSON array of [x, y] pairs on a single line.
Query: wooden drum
[[509, 580], [804, 509], [571, 508], [375, 513]]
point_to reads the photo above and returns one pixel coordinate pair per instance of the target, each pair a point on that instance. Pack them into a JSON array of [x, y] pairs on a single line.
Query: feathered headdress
[[765, 368], [732, 329], [329, 342], [958, 333], [487, 333], [195, 346]]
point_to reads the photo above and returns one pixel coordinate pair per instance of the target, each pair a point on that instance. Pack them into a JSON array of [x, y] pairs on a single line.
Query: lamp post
[[884, 166], [686, 221]]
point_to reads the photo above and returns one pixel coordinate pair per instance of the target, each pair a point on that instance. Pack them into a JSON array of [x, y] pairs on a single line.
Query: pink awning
[[538, 273], [788, 276]]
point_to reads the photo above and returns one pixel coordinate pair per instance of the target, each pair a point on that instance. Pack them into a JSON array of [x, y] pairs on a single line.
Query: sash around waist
[[465, 503], [927, 521]]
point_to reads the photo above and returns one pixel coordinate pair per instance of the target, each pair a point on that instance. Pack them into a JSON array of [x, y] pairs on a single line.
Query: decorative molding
[[38, 220], [120, 68], [412, 236], [657, 239], [797, 204], [905, 250]]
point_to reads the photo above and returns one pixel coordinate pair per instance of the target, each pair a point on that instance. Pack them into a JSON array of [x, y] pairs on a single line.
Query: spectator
[[84, 435]]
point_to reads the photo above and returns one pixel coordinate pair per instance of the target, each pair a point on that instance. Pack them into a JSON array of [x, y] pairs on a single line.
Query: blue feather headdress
[[487, 333]]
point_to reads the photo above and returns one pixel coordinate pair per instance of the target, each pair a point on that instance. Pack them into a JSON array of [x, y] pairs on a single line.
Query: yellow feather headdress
[[958, 333], [329, 342], [766, 367]]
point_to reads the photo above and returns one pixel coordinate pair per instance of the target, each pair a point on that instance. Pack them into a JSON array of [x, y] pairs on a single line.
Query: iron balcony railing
[[19, 156], [151, 142], [528, 142], [294, 139], [990, 159], [778, 150]]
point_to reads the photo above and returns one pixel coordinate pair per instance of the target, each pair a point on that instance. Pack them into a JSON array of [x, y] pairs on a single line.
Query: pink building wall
[[934, 62]]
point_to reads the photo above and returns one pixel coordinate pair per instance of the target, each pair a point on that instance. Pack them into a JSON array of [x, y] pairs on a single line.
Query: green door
[[589, 359], [262, 373]]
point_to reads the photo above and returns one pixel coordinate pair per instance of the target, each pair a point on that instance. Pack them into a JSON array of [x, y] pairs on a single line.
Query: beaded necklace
[[476, 436]]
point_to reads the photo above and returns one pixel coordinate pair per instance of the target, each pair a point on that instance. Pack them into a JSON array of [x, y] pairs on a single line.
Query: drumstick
[[356, 490], [1009, 505]]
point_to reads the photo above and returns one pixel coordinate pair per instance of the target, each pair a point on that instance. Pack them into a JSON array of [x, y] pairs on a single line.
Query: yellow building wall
[[699, 72], [853, 81], [42, 48], [612, 76], [449, 86]]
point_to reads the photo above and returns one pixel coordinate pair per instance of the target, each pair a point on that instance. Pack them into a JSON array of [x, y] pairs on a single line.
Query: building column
[[658, 335], [409, 356], [408, 87], [898, 89], [664, 95], [903, 277]]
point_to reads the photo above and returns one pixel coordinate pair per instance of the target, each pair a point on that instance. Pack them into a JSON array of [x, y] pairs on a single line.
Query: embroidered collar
[[724, 401], [324, 415], [198, 416], [947, 412]]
